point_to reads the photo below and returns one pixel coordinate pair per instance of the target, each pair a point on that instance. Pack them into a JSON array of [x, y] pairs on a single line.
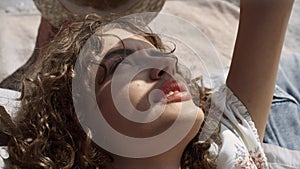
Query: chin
[[192, 114]]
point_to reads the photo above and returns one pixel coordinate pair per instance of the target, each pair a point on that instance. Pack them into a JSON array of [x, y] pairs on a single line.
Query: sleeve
[[240, 146]]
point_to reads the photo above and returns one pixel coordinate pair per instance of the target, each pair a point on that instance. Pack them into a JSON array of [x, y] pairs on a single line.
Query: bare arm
[[256, 55]]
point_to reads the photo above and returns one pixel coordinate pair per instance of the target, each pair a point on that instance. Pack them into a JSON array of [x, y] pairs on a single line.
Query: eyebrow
[[120, 51]]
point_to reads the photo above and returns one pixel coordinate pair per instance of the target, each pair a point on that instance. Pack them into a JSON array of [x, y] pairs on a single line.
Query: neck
[[168, 160]]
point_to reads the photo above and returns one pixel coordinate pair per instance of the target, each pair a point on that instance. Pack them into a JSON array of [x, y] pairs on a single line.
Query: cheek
[[138, 94], [104, 100]]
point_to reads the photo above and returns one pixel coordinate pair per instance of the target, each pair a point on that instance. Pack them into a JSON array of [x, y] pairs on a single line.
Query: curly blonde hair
[[47, 133]]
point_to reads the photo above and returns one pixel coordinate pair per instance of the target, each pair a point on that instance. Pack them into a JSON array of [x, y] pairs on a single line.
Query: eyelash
[[119, 58], [116, 63]]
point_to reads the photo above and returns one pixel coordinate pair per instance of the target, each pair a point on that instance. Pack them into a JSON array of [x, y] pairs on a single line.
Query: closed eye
[[114, 58]]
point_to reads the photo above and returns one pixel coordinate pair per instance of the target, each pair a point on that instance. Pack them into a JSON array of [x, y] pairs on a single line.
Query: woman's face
[[142, 94]]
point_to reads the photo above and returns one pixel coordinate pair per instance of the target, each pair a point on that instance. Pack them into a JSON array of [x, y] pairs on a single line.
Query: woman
[[59, 98]]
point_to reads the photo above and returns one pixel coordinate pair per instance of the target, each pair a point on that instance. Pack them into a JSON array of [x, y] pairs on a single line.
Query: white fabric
[[3, 156], [9, 100], [240, 147]]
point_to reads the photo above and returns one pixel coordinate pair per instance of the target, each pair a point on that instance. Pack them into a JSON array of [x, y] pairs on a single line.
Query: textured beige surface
[[17, 40], [218, 20]]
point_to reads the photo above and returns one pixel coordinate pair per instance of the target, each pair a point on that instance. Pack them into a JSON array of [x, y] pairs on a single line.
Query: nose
[[166, 67]]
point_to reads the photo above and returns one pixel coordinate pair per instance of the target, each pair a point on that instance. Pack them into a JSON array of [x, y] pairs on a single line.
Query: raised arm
[[256, 55]]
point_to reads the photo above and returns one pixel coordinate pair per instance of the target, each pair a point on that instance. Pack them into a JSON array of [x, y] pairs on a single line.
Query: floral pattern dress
[[238, 144]]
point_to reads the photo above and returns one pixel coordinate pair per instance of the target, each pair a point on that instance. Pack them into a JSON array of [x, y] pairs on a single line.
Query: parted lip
[[174, 91]]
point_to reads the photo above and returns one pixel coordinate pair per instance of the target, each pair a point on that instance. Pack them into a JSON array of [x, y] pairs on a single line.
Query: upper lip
[[172, 91], [173, 85]]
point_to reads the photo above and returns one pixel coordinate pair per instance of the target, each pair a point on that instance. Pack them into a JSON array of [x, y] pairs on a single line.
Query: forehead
[[117, 37]]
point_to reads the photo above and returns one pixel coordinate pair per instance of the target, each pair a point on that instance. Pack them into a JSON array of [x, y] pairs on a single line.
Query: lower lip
[[178, 97]]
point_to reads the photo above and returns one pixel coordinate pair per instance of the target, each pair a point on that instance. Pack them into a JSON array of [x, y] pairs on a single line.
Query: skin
[[139, 89], [256, 55]]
